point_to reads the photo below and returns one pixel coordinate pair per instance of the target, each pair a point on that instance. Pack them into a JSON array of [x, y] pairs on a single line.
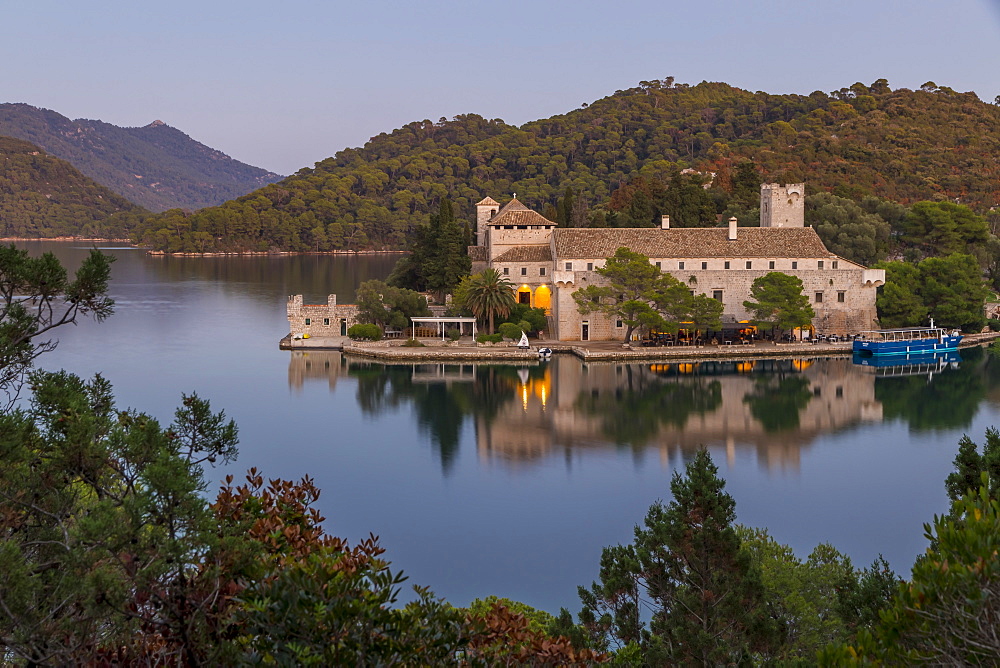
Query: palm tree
[[489, 294]]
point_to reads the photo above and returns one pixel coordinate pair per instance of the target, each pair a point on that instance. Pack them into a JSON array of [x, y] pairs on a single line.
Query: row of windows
[[524, 271], [818, 297], [326, 321], [749, 264], [523, 227], [680, 265]]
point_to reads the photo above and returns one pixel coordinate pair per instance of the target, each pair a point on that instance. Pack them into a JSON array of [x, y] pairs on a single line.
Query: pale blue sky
[[284, 84]]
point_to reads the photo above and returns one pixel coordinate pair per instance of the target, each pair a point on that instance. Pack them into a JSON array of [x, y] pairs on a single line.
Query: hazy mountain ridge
[[156, 166], [43, 196]]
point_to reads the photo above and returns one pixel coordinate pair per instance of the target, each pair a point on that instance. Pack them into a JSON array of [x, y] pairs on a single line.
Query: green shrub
[[510, 330], [365, 332], [489, 338], [413, 343], [994, 324], [454, 334]]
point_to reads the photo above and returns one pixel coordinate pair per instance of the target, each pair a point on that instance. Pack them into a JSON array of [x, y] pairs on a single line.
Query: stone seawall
[[605, 351], [443, 354]]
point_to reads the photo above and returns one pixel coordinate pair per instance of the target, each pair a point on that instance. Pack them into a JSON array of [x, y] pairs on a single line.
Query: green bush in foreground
[[365, 332], [489, 338]]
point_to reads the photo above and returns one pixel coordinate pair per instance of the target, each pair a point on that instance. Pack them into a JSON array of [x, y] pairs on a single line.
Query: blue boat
[[906, 341]]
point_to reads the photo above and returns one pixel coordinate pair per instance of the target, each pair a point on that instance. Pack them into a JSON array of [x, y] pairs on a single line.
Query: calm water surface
[[505, 480]]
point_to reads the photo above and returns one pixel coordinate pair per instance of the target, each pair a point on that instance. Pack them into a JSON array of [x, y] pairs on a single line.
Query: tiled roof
[[478, 253], [525, 254], [520, 217], [513, 205], [796, 242], [487, 201]]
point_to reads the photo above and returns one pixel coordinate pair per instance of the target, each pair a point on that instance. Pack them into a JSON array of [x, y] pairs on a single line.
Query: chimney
[[732, 228], [664, 222]]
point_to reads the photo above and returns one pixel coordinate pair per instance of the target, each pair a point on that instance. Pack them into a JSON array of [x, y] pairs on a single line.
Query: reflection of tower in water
[[313, 365], [771, 408]]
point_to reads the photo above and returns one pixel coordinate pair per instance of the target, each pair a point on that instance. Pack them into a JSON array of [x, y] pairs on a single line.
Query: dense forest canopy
[[863, 141], [156, 166], [43, 196]]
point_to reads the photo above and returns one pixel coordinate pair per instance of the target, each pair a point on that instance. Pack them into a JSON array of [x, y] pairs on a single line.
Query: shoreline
[[159, 253], [596, 351]]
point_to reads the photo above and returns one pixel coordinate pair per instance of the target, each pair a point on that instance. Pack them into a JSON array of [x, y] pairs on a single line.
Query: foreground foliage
[[36, 297]]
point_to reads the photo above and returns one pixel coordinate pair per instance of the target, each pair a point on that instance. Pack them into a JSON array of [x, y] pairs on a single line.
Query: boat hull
[[910, 347]]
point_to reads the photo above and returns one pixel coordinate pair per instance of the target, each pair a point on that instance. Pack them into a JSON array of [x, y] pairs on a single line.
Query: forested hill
[[43, 196], [902, 145], [156, 166]]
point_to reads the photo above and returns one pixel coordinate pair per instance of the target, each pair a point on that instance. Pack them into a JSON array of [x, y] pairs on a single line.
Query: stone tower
[[782, 206], [486, 208]]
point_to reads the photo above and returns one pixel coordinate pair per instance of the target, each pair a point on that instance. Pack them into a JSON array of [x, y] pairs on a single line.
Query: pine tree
[[711, 606], [968, 465]]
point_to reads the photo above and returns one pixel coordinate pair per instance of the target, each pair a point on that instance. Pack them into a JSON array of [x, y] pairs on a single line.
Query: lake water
[[509, 480]]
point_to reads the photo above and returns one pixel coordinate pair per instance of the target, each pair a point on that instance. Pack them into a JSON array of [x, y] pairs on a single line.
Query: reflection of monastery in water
[[567, 409], [772, 406]]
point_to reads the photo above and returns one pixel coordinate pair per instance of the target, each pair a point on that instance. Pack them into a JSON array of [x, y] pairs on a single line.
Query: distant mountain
[[863, 141], [43, 196], [156, 166]]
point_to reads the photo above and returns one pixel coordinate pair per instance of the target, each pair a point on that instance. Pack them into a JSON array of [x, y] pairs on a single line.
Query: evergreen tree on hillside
[[439, 257]]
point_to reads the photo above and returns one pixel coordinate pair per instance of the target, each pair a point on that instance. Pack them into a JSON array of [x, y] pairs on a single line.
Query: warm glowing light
[[744, 367], [801, 365], [686, 368]]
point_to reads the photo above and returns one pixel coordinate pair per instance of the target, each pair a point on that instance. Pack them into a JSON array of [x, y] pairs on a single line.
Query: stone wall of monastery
[[856, 313]]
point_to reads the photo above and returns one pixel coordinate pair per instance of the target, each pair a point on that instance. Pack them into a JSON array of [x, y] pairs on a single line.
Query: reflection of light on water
[[801, 365], [744, 367], [538, 387]]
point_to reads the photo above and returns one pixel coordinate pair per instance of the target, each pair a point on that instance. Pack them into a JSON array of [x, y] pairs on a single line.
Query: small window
[[835, 263], [704, 265], [308, 321], [717, 295], [840, 391], [817, 391], [658, 266], [819, 297], [749, 264], [326, 322], [819, 265], [618, 323], [680, 265], [795, 265], [506, 271], [590, 266], [524, 271], [727, 264], [569, 266], [770, 265], [840, 296], [541, 271]]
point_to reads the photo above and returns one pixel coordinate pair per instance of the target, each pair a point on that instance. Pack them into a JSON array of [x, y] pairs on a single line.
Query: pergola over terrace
[[440, 322]]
